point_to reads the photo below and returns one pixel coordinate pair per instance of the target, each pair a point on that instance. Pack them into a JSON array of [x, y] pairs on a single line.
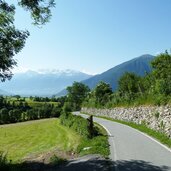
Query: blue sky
[[95, 35]]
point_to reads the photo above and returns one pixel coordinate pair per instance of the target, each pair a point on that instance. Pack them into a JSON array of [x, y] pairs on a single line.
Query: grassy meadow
[[21, 140]]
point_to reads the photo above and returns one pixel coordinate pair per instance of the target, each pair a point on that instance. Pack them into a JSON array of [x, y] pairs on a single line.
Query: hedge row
[[77, 123]]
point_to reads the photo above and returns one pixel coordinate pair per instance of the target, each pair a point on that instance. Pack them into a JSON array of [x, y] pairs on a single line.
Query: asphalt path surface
[[132, 150]]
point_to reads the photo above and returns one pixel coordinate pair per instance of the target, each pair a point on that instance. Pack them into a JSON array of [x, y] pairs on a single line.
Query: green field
[[33, 137], [40, 104], [30, 102]]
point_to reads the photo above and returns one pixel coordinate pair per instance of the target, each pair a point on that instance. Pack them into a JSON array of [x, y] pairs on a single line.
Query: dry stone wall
[[157, 118]]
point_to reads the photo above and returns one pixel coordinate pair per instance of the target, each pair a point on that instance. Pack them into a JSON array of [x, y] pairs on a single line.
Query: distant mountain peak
[[145, 56], [139, 65], [57, 71], [43, 82], [68, 72]]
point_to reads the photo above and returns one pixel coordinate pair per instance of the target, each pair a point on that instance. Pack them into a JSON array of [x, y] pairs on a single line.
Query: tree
[[15, 115], [40, 9], [1, 101], [4, 116], [102, 93], [13, 40], [56, 111], [130, 85], [162, 73], [76, 94]]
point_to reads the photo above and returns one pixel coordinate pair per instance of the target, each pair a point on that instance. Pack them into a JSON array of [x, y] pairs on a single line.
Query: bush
[[161, 100], [77, 123], [68, 106]]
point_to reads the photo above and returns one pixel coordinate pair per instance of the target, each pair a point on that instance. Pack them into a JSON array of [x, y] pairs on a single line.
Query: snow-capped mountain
[[68, 72], [42, 82]]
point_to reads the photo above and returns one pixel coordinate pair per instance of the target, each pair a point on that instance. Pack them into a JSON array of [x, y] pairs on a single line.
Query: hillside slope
[[139, 65]]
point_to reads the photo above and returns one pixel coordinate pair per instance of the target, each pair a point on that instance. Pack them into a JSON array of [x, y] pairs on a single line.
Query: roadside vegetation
[[97, 145], [94, 137]]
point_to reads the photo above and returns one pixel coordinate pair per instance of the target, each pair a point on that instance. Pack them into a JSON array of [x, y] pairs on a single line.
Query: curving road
[[132, 150]]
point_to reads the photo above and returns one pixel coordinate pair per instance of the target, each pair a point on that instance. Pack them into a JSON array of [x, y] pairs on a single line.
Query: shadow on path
[[139, 165], [91, 165], [107, 165]]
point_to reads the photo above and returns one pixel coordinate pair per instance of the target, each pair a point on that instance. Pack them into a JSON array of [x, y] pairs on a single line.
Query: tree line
[[19, 111]]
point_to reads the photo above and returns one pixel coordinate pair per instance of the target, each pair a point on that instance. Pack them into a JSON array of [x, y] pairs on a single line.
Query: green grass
[[30, 102], [33, 137], [161, 137], [39, 104], [97, 145]]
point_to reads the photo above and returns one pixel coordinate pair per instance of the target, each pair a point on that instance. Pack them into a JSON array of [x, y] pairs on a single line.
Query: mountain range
[[54, 82], [139, 66], [41, 83]]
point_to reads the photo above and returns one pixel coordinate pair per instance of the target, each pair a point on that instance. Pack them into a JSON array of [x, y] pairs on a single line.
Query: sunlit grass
[[97, 145], [23, 139]]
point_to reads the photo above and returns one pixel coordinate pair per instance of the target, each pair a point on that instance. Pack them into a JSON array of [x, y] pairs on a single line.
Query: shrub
[[156, 114], [77, 123]]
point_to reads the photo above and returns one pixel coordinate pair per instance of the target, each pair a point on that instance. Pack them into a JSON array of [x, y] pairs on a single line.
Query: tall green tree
[[129, 85], [13, 40], [102, 93], [4, 115], [162, 73], [76, 94]]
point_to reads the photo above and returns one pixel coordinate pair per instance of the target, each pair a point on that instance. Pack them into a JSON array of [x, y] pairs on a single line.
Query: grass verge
[[94, 140], [161, 137], [97, 145]]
